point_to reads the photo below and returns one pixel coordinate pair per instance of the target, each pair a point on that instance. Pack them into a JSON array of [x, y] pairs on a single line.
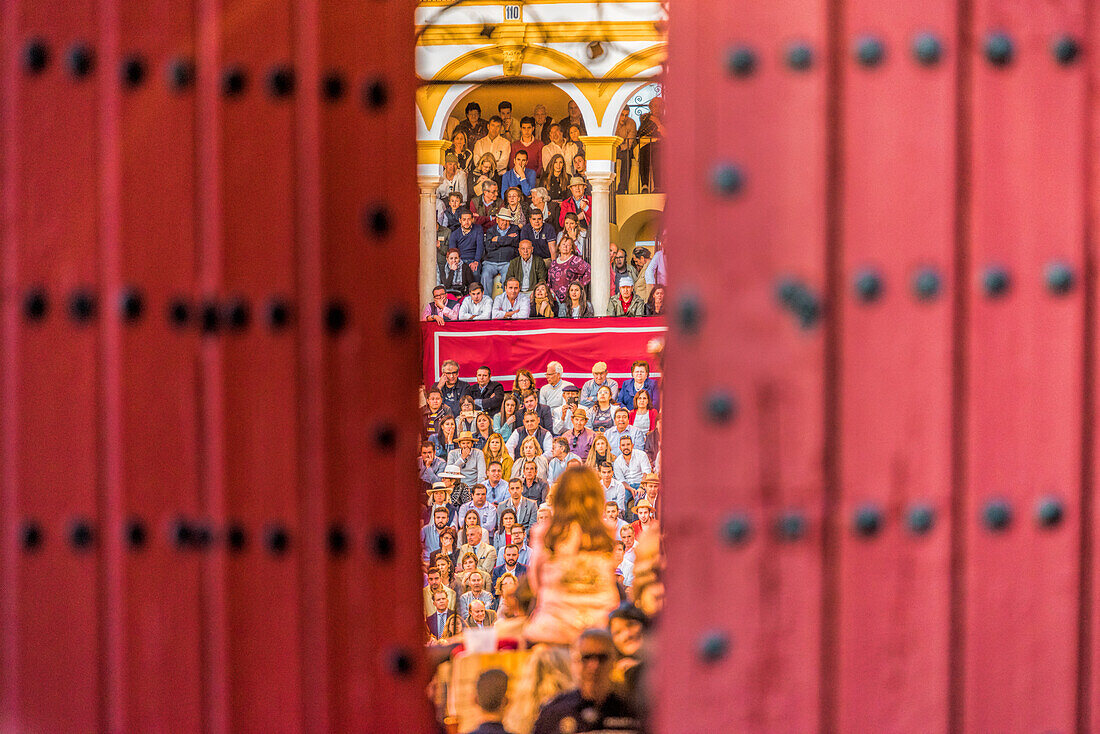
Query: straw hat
[[452, 472]]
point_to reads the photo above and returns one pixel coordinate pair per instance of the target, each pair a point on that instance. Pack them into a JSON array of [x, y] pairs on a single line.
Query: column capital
[[428, 182], [429, 155], [601, 147], [600, 180]]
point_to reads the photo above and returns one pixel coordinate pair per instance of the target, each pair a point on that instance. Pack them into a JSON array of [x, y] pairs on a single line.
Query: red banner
[[508, 346]]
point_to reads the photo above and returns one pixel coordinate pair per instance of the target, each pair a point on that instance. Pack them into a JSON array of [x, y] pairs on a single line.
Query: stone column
[[429, 174], [600, 153]]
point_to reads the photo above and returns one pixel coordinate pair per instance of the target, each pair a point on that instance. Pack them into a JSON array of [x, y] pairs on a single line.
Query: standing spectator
[[580, 170], [573, 231], [487, 394], [639, 371], [580, 436], [567, 268], [555, 179], [473, 127], [599, 379], [577, 203], [575, 305], [640, 260], [625, 303], [509, 128], [542, 123], [468, 240], [536, 231], [573, 117], [500, 247], [652, 127], [655, 272], [653, 445], [631, 465], [551, 393], [496, 144], [529, 144], [484, 173], [476, 307], [462, 151], [486, 207], [456, 277], [519, 175], [439, 310], [620, 268], [470, 461], [656, 304], [453, 389], [626, 129], [451, 217], [552, 146], [511, 304]]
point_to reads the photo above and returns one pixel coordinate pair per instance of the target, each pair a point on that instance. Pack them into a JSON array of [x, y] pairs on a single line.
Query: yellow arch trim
[[428, 98], [600, 94]]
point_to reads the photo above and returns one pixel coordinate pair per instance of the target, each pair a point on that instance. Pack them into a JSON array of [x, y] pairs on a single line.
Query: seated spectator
[[625, 303], [486, 392], [443, 624], [486, 206], [601, 415], [451, 216], [444, 438], [531, 404], [456, 277], [575, 305], [599, 379], [519, 176], [577, 203], [454, 182], [470, 461], [561, 456], [534, 485], [429, 465], [572, 146], [574, 117], [622, 428], [640, 380], [525, 382], [600, 453], [501, 244], [479, 615], [573, 231], [551, 147], [468, 569], [543, 305], [466, 413], [507, 420], [653, 445], [434, 410], [551, 395], [496, 144], [541, 235], [511, 304], [631, 465], [656, 304], [461, 150], [509, 126], [646, 518], [514, 205], [580, 436], [434, 583], [503, 535], [526, 510], [468, 239], [567, 268], [473, 127], [479, 505], [485, 553], [484, 174], [542, 123], [477, 592], [448, 544], [555, 179], [526, 268], [499, 465], [429, 534], [530, 429], [529, 144], [644, 416], [510, 565], [613, 488], [439, 310], [476, 307]]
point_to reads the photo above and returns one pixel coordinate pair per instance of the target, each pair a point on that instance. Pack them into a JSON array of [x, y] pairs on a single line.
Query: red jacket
[[569, 205]]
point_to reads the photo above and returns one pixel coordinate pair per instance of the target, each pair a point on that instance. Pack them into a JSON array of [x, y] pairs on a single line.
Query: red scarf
[[626, 304]]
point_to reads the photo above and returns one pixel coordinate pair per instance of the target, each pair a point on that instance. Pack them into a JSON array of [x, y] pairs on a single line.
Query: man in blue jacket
[[501, 244], [539, 233], [641, 381], [519, 175], [469, 240]]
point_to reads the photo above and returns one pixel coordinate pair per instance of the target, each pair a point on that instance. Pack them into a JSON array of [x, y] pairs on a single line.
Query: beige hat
[[465, 436], [452, 472], [643, 503], [581, 412], [651, 477], [599, 367], [437, 487], [503, 214], [577, 181]]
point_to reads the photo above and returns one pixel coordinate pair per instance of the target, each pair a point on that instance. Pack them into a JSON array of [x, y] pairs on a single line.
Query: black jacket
[[488, 398], [501, 248], [457, 282]]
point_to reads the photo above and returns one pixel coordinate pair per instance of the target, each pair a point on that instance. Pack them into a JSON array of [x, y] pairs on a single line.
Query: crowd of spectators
[[539, 505], [513, 211]]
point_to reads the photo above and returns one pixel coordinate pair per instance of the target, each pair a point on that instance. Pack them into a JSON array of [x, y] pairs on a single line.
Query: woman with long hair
[[513, 204], [530, 451], [483, 429], [465, 155], [448, 544], [469, 520], [575, 305], [486, 170], [555, 179], [524, 381], [444, 438], [644, 416], [601, 416], [572, 229], [542, 303], [469, 566], [566, 268], [656, 303], [600, 453], [503, 535], [507, 420], [495, 450]]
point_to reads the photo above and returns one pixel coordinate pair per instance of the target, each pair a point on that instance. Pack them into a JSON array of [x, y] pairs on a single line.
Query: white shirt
[[549, 151], [470, 311], [631, 471], [655, 271], [616, 492], [557, 466], [569, 150], [501, 148], [501, 304], [551, 395]]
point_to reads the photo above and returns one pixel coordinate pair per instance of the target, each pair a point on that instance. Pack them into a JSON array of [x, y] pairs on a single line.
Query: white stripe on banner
[[437, 367]]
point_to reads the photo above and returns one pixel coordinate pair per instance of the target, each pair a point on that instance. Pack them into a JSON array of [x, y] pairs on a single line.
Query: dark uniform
[[570, 713]]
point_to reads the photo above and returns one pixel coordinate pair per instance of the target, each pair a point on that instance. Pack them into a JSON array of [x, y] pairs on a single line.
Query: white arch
[[622, 94]]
